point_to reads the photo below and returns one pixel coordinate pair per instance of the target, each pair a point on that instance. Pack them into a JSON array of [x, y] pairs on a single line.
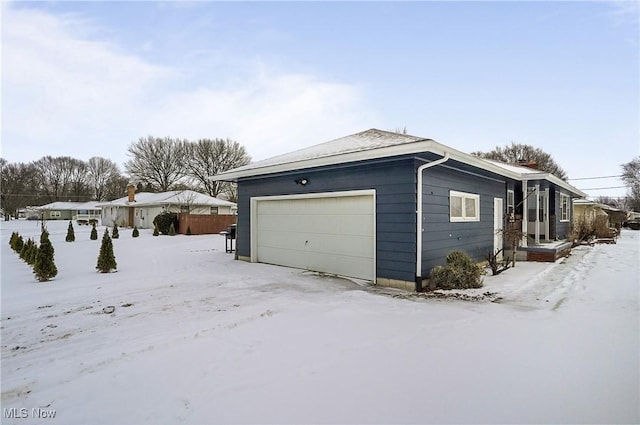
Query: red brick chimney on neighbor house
[[131, 191], [528, 164]]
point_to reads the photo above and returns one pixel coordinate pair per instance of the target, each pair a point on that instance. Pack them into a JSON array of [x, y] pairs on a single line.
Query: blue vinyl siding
[[440, 235], [394, 182]]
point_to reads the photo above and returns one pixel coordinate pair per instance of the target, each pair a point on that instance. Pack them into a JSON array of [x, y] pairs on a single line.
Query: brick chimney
[[131, 192], [528, 164]]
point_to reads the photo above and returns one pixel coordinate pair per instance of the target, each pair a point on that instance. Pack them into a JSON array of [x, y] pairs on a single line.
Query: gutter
[[419, 226]]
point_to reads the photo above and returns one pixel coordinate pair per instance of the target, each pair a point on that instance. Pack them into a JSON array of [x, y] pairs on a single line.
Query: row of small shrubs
[[41, 258], [115, 233], [460, 272]]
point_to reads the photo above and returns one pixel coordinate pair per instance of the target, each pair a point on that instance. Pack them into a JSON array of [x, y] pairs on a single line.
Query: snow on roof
[[91, 205], [59, 205], [363, 141], [374, 143], [514, 168], [176, 197]]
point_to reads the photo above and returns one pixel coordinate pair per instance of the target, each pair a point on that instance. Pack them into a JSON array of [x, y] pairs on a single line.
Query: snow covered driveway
[[199, 338]]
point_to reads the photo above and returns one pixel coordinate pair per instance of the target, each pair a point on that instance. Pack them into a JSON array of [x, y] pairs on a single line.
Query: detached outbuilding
[[388, 207]]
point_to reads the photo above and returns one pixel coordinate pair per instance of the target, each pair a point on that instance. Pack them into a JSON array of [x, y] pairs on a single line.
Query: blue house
[[387, 207]]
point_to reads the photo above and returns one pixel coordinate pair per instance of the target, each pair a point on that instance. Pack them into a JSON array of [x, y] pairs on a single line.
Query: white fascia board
[[422, 146], [555, 180]]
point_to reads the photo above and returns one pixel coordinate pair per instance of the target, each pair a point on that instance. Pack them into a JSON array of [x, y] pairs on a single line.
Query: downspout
[[419, 227]]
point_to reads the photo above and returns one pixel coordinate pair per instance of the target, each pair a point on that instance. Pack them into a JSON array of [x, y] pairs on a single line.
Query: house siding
[[563, 228], [440, 235], [394, 183]]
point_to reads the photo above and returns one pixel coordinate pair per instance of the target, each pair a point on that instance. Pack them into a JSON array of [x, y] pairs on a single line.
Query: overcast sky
[[85, 78]]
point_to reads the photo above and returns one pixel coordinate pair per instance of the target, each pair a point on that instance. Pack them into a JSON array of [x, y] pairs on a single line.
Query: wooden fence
[[204, 224]]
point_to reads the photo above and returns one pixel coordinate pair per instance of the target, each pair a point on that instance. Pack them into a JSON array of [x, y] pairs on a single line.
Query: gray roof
[[374, 143]]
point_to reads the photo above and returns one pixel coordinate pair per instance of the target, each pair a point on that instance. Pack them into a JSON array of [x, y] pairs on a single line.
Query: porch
[[548, 252]]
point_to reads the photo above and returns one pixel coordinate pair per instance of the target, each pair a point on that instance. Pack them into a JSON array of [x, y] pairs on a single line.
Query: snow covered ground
[[199, 338]]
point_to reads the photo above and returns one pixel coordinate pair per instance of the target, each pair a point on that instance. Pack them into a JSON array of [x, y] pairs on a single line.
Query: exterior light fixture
[[302, 181]]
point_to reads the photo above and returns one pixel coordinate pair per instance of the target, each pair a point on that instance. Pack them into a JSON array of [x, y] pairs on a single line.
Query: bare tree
[[61, 178], [631, 178], [78, 186], [157, 162], [15, 191], [516, 153], [206, 158], [102, 173]]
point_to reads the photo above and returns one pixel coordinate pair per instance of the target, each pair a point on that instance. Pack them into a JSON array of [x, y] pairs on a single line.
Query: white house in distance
[[81, 212], [139, 209]]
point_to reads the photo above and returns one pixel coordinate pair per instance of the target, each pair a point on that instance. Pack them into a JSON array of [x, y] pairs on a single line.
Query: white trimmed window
[[565, 202], [464, 206], [55, 214], [214, 210], [511, 202]]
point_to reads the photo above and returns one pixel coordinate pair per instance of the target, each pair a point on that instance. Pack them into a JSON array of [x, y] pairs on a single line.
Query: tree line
[[156, 165]]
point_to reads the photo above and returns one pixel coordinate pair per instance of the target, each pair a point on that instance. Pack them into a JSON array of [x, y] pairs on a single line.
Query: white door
[[497, 225], [331, 233]]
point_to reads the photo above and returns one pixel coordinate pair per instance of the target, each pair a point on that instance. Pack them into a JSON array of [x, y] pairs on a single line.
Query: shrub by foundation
[[460, 272]]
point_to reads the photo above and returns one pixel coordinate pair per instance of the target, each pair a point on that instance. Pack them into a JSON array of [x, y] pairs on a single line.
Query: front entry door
[[497, 225]]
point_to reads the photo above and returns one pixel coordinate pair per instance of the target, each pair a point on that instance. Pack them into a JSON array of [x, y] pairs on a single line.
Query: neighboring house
[[81, 212], [589, 211], [139, 209], [58, 210], [87, 213], [388, 207]]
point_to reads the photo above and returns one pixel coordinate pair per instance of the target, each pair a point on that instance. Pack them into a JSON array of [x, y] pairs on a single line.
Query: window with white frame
[[511, 202], [214, 210], [464, 206], [565, 203], [54, 214]]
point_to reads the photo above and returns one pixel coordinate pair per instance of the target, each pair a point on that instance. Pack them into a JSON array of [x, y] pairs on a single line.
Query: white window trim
[[464, 197], [568, 211], [512, 194]]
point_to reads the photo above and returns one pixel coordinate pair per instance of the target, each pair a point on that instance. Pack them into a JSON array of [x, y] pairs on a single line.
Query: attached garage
[[331, 232], [376, 205]]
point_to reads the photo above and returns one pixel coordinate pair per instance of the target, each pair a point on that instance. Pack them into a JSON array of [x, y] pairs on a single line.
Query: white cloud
[[66, 94]]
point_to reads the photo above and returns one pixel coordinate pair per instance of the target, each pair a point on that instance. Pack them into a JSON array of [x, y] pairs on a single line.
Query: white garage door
[[326, 233]]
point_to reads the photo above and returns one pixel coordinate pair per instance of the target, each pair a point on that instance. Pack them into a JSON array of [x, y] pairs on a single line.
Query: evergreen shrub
[[164, 221], [461, 272]]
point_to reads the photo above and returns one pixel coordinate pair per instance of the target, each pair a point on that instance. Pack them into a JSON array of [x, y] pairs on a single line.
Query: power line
[[602, 188], [594, 178]]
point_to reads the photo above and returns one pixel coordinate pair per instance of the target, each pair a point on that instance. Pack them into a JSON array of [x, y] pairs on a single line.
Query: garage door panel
[[339, 264], [355, 246], [331, 224], [333, 234]]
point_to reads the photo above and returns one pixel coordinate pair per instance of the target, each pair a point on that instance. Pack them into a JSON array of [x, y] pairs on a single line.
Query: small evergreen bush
[[106, 257], [25, 249], [461, 272], [165, 220], [17, 243], [45, 267], [135, 233], [71, 236], [32, 254], [114, 233], [12, 240], [94, 233], [172, 230], [156, 232]]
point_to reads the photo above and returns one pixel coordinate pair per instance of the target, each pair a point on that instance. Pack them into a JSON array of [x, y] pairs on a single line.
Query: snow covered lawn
[[199, 338]]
